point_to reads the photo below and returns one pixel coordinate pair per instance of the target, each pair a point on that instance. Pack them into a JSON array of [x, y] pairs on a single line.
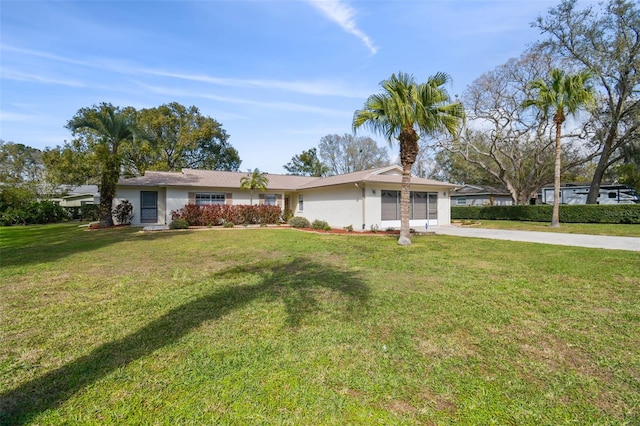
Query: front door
[[149, 206]]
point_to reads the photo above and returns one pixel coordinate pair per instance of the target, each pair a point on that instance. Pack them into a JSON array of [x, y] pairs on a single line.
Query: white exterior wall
[[172, 199], [444, 207], [338, 206], [133, 195]]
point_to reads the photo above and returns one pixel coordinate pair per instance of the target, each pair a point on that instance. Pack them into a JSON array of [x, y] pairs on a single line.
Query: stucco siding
[[339, 207], [133, 195]]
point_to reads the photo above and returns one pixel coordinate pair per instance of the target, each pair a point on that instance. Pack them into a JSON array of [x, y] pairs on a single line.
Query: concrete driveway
[[580, 240]]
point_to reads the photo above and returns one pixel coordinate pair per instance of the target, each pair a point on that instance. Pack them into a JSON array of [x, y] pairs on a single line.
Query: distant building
[[480, 195], [576, 193], [76, 196]]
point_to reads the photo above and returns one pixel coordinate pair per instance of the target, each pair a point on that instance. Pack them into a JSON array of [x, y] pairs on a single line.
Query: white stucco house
[[361, 199]]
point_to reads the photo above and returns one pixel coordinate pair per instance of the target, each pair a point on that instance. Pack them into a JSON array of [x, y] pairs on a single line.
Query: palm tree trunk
[[405, 192], [555, 217], [409, 150]]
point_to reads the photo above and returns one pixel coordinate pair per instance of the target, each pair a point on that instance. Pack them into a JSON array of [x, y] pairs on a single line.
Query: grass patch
[[618, 230], [284, 327]]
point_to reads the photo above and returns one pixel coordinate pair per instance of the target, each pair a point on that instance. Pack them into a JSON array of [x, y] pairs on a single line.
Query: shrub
[[299, 222], [216, 214], [179, 224], [228, 225], [123, 212], [348, 228], [36, 212], [89, 211], [582, 213], [320, 225]]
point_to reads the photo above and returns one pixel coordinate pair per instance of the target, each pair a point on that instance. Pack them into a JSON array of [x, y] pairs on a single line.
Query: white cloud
[[10, 74], [343, 14], [285, 106], [316, 88], [14, 116]]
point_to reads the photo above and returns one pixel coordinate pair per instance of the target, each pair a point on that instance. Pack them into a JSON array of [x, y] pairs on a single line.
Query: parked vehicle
[[577, 194]]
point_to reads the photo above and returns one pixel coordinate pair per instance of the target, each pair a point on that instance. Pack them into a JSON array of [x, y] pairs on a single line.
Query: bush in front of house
[[123, 213], [214, 215], [573, 213], [179, 223], [320, 225], [299, 222]]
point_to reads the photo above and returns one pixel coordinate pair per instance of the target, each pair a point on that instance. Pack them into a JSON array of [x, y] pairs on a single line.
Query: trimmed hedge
[[212, 215], [573, 213]]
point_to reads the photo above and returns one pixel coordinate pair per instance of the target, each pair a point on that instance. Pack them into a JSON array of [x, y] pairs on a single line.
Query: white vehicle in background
[[577, 194]]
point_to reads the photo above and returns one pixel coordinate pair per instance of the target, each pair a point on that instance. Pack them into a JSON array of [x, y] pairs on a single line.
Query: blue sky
[[279, 75]]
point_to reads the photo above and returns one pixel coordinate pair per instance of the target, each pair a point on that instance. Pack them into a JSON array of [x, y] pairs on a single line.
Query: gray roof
[[479, 190], [220, 179]]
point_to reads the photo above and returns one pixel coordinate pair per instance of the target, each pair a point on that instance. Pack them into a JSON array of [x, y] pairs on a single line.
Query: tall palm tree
[[106, 128], [254, 180], [564, 94], [406, 111]]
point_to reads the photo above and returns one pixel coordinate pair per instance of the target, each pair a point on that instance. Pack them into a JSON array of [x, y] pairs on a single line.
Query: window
[[300, 203], [613, 195], [206, 198], [461, 201], [423, 205], [270, 199]]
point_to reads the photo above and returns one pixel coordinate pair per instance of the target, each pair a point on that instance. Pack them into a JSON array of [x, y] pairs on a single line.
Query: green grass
[[278, 326], [620, 230]]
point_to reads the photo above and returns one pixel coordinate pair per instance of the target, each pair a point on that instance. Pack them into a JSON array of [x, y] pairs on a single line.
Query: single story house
[[480, 195], [76, 196], [360, 199]]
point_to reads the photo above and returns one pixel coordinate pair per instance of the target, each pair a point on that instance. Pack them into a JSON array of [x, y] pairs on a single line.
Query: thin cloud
[[316, 88], [10, 74], [15, 116], [343, 14], [285, 106]]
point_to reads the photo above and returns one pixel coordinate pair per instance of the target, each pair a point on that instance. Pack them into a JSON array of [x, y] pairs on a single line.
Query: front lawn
[[279, 326]]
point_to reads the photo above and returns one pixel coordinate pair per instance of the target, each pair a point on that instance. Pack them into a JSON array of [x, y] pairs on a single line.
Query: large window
[[206, 198], [422, 205], [270, 199]]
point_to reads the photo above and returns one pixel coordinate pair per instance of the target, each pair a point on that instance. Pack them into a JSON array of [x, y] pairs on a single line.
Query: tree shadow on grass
[[33, 244], [300, 283]]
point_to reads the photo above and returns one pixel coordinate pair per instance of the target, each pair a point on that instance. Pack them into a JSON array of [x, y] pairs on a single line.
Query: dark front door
[[149, 206]]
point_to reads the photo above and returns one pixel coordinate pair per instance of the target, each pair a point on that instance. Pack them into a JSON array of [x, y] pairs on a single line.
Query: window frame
[[209, 198]]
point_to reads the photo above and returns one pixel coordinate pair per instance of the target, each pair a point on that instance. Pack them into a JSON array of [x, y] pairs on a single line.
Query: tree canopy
[[406, 110], [560, 95], [307, 164], [349, 153], [502, 142], [171, 137], [605, 39]]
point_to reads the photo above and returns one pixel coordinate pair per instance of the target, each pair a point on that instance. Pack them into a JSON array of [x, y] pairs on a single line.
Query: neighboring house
[[480, 195], [76, 196], [361, 199]]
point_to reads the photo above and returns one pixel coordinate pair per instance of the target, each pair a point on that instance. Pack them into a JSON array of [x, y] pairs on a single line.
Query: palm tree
[[563, 94], [106, 128], [254, 180], [406, 111]]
